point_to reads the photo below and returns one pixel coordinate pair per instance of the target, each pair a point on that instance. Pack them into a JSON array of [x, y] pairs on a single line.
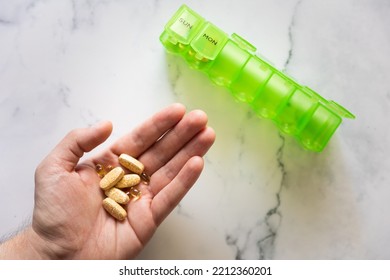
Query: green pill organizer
[[230, 61]]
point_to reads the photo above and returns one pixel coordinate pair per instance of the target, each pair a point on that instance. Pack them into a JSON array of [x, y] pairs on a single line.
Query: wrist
[[26, 245]]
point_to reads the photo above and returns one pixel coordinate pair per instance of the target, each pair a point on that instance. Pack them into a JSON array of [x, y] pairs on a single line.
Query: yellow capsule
[[131, 164], [117, 195], [134, 193], [100, 170], [114, 209], [145, 177], [128, 180], [112, 178]]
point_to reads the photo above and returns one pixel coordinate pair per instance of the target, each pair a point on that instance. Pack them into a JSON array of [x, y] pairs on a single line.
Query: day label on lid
[[209, 41], [185, 26]]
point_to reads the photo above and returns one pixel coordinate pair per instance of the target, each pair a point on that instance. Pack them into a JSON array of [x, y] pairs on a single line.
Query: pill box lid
[[184, 25]]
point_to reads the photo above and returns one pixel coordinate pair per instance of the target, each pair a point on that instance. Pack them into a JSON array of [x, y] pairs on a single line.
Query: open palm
[[68, 215]]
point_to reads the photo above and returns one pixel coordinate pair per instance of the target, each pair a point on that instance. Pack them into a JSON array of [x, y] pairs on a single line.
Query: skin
[[69, 221]]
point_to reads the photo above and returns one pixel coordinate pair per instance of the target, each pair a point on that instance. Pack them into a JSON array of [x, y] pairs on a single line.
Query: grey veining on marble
[[67, 64]]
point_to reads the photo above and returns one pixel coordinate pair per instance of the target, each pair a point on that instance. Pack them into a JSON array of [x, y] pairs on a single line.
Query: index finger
[[146, 134]]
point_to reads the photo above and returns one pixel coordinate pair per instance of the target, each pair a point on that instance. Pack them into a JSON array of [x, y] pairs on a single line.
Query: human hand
[[69, 220]]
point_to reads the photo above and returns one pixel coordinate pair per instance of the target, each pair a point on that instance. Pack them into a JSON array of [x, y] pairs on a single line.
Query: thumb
[[72, 147]]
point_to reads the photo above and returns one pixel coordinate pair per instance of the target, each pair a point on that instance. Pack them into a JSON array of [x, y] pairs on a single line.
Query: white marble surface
[[70, 63]]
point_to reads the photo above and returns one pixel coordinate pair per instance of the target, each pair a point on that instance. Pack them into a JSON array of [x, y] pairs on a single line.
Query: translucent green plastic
[[230, 61]]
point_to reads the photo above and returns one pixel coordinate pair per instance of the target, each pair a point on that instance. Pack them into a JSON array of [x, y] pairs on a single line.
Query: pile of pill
[[120, 187]]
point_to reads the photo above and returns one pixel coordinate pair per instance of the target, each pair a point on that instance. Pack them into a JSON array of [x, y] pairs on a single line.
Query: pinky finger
[[170, 196]]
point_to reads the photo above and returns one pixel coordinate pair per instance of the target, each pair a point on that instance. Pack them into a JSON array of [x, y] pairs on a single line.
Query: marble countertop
[[67, 64]]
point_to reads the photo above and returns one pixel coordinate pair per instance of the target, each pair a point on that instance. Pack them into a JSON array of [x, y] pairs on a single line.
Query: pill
[[112, 178], [131, 164], [117, 195], [145, 177], [128, 180], [134, 193], [114, 209], [100, 170]]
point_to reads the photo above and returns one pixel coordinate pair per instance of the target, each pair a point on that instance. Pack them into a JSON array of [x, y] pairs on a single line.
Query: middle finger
[[171, 143]]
